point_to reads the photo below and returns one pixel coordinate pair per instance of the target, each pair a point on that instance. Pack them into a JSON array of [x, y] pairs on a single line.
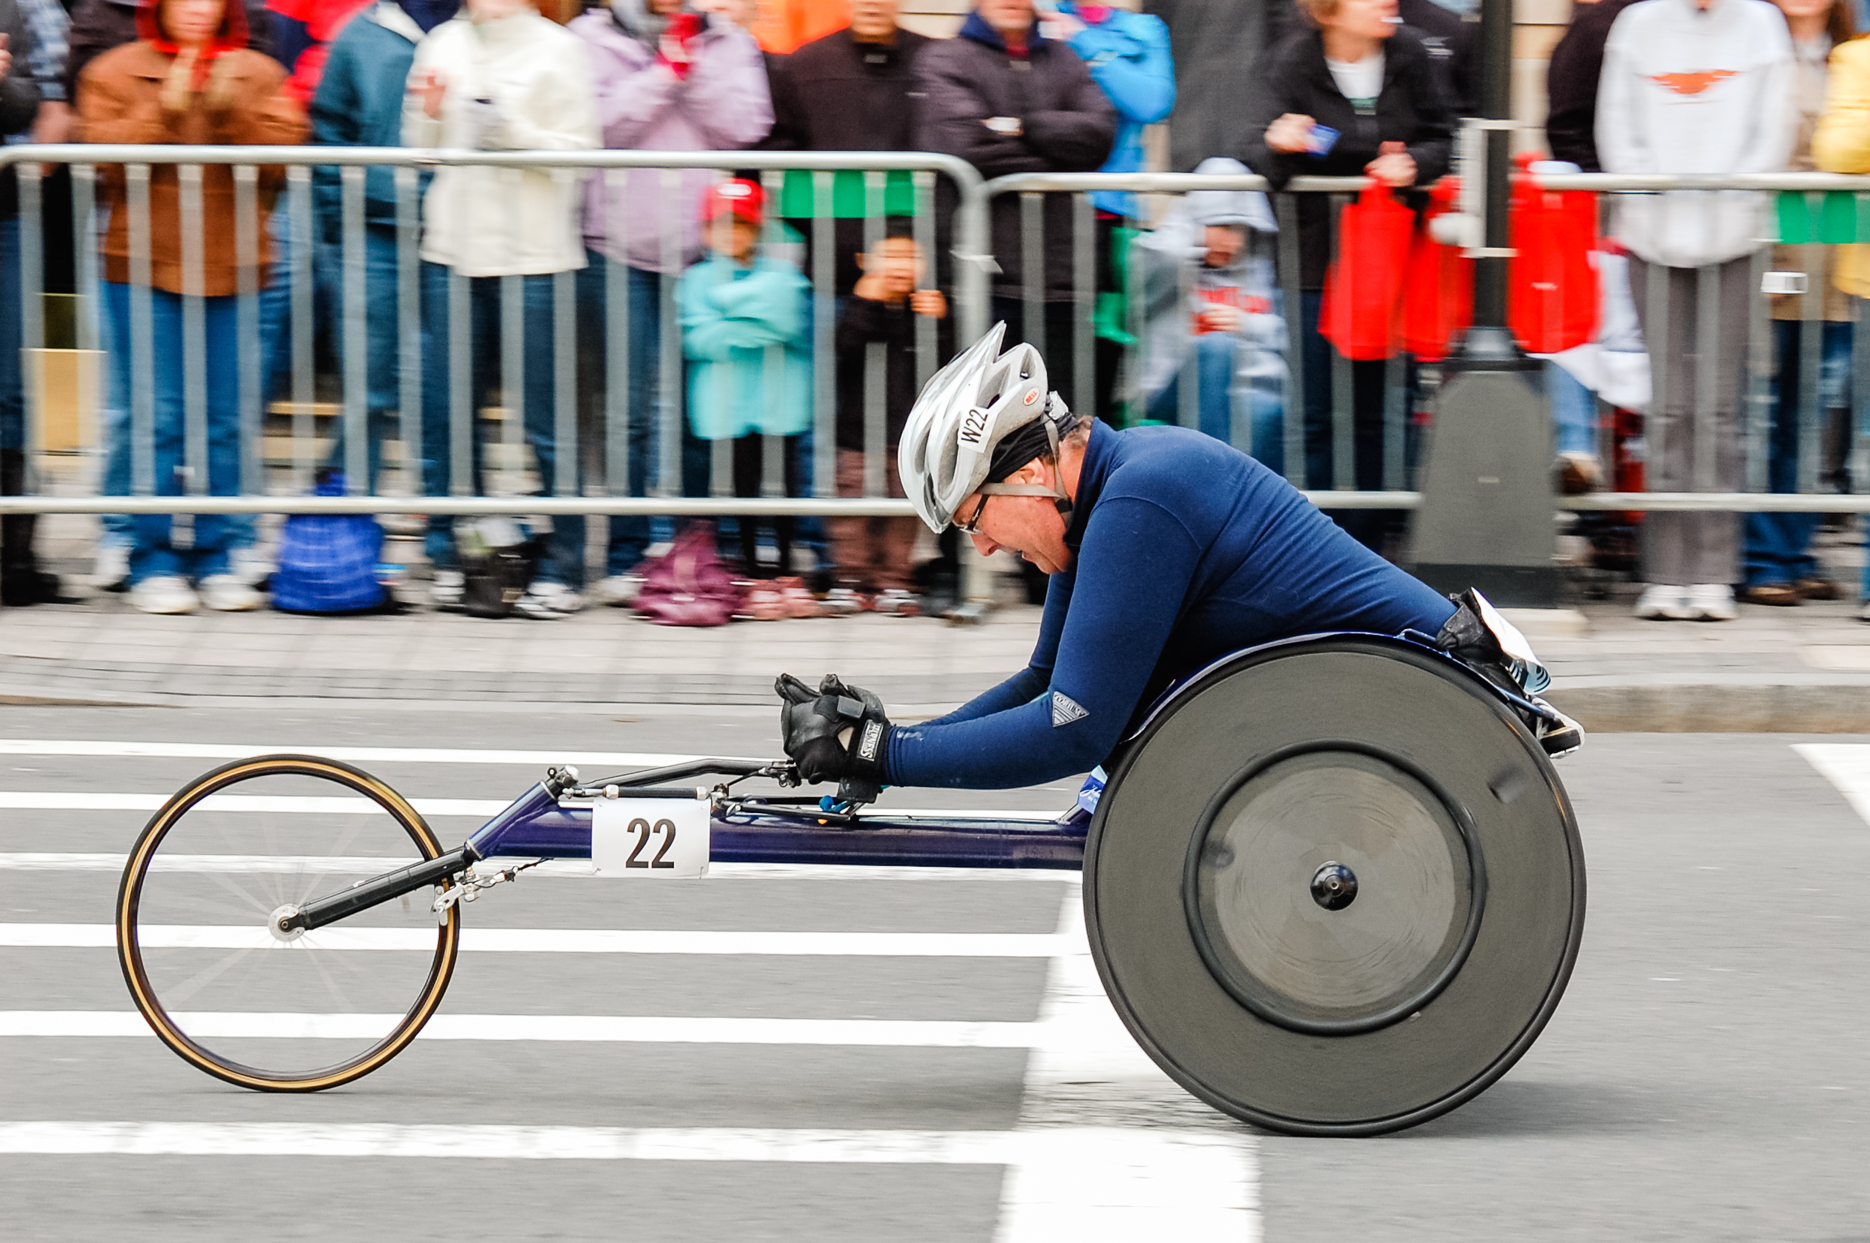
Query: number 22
[[643, 830]]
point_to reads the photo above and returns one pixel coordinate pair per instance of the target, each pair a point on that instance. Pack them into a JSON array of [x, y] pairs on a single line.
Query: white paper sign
[[650, 838]]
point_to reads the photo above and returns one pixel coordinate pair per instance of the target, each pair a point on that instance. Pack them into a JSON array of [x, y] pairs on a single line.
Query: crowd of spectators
[[1190, 321]]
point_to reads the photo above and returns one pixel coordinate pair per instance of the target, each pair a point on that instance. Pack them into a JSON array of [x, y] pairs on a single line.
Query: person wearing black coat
[[1571, 83], [1007, 100], [849, 91], [21, 581], [1401, 134]]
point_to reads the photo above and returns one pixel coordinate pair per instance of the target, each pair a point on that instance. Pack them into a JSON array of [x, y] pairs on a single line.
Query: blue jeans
[[1777, 545], [537, 400], [1574, 411], [630, 536], [382, 337], [1215, 398], [152, 551]]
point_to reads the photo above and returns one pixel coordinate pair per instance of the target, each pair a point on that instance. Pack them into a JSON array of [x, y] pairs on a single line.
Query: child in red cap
[[745, 315]]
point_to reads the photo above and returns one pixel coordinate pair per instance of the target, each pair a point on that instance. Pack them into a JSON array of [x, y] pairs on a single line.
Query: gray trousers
[[1694, 321]]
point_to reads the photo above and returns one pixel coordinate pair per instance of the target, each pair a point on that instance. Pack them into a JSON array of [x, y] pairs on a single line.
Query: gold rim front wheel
[[198, 920]]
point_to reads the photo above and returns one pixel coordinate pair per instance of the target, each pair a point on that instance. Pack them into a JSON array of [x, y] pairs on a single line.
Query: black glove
[[835, 733]]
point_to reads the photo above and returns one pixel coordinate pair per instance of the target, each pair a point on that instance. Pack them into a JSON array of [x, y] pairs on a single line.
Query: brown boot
[[1777, 594]]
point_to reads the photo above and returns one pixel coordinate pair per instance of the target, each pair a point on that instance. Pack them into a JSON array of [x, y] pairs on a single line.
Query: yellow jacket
[[1841, 143]]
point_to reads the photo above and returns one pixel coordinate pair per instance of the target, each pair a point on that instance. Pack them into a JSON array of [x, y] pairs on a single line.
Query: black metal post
[[1496, 104], [1486, 514]]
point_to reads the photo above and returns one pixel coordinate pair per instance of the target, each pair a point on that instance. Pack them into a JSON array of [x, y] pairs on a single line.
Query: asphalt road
[[1705, 1077]]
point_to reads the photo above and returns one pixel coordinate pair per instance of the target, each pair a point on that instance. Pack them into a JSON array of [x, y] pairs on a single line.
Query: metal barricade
[[274, 482]]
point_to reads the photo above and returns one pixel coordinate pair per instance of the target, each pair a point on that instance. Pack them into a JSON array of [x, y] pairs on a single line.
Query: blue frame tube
[[537, 827]]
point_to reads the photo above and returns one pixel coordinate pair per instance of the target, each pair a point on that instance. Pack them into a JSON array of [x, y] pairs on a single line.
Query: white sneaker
[[545, 601], [112, 564], [447, 589], [248, 565], [1712, 602], [226, 594], [1664, 603], [895, 602], [619, 590], [164, 593]]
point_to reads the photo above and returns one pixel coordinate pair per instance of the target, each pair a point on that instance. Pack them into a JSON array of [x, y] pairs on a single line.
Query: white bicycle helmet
[[963, 413]]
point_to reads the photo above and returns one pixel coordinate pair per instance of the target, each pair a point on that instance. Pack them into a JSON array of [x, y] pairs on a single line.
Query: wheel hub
[[1334, 886], [278, 923]]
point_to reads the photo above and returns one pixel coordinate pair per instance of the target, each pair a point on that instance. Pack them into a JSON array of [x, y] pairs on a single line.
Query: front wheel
[[199, 914]]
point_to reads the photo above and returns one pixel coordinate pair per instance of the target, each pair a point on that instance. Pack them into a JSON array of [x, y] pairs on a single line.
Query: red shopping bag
[[1552, 293], [1364, 287], [1438, 284]]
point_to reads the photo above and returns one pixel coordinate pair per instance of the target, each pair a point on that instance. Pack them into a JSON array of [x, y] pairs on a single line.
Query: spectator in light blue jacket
[[745, 317], [1128, 55]]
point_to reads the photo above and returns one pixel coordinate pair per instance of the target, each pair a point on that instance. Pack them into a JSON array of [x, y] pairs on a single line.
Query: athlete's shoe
[[164, 593], [1712, 602], [1662, 602], [545, 601], [447, 589], [226, 594]]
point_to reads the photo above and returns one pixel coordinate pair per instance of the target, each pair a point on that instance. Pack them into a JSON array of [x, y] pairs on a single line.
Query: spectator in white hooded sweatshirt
[[1694, 86]]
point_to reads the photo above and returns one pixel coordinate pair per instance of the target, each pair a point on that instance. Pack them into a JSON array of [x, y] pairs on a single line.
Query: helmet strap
[[1056, 489]]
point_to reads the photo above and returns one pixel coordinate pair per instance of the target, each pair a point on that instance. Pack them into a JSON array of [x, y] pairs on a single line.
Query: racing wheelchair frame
[[1333, 886]]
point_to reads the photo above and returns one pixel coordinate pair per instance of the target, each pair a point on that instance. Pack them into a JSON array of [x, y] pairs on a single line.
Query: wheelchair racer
[[1166, 550]]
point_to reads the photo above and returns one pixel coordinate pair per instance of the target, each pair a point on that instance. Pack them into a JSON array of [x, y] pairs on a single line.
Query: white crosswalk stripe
[[552, 940]]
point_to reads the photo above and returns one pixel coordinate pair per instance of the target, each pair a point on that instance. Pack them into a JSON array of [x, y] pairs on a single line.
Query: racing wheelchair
[[1333, 885]]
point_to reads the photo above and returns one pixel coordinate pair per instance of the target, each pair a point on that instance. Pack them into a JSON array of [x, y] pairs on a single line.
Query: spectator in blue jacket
[[1128, 55], [744, 318], [359, 103]]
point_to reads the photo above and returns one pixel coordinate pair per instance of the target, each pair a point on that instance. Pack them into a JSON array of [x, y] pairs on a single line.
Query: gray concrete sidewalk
[[1804, 669]]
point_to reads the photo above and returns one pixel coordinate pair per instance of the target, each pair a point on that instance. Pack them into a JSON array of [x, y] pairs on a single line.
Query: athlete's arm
[[1132, 575], [1036, 677]]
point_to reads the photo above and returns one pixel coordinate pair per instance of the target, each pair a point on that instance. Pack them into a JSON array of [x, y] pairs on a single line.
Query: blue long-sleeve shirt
[[1186, 549], [1128, 55]]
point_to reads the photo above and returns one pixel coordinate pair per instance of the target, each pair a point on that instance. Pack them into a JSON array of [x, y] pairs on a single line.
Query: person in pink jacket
[[668, 79]]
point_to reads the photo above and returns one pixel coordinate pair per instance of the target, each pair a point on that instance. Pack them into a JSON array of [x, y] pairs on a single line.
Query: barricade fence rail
[[1086, 302]]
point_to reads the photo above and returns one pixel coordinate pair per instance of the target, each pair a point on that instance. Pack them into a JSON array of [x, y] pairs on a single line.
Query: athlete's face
[[1027, 526]]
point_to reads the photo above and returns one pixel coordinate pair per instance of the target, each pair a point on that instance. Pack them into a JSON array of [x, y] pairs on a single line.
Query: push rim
[[400, 835], [1402, 700]]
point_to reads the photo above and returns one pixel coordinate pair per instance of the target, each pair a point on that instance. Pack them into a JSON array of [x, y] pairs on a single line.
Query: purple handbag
[[688, 585]]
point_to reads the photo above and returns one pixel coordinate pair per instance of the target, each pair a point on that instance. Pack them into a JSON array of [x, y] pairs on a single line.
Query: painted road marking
[[569, 1028], [1087, 1076], [55, 800], [550, 940], [354, 755], [1845, 765], [481, 808], [1133, 1183]]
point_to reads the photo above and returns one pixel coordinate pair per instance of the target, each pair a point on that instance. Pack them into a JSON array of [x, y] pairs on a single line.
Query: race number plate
[[650, 838]]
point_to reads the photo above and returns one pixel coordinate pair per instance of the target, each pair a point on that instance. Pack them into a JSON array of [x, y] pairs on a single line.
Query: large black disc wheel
[[202, 946], [1335, 888]]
